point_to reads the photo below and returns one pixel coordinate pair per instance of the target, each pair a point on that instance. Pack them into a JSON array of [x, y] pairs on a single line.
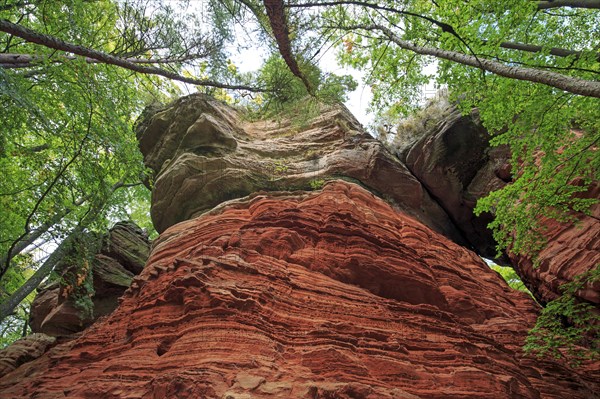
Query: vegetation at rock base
[[74, 75]]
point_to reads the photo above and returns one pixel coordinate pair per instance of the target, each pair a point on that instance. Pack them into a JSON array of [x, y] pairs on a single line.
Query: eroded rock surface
[[122, 255], [573, 250], [457, 166], [204, 153], [328, 294], [24, 350]]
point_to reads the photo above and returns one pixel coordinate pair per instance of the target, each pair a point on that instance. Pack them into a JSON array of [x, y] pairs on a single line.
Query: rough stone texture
[[23, 351], [328, 294], [122, 255], [203, 153], [456, 165], [573, 249]]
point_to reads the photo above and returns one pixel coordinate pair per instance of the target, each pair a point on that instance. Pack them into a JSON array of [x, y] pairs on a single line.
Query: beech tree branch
[[532, 48], [592, 4], [570, 84], [59, 44], [13, 60]]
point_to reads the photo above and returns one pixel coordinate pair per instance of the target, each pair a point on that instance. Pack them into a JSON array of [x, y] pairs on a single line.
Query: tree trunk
[[276, 13], [8, 307]]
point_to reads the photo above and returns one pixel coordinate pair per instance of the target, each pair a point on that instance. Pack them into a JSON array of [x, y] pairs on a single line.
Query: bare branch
[[58, 44]]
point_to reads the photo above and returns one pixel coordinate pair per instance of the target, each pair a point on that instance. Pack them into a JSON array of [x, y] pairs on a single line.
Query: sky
[[251, 58], [248, 55]]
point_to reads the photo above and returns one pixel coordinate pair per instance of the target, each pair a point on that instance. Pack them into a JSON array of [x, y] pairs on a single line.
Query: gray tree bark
[[58, 44], [582, 87]]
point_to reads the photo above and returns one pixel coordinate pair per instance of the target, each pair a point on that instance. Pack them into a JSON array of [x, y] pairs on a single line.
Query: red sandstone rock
[[328, 294], [572, 250], [203, 153], [23, 351]]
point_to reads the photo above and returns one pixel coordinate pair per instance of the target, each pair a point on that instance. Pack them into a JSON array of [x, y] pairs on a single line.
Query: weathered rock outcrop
[[203, 153], [328, 294], [573, 250], [24, 350], [457, 166], [122, 255]]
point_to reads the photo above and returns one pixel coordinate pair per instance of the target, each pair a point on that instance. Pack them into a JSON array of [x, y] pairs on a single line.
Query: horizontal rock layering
[[328, 294], [203, 152]]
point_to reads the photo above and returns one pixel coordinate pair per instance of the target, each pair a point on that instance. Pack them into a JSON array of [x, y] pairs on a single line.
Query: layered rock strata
[[203, 153], [330, 294], [573, 250], [121, 256], [24, 350]]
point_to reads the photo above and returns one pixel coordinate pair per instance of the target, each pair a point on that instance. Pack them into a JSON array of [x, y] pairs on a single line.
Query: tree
[[74, 75]]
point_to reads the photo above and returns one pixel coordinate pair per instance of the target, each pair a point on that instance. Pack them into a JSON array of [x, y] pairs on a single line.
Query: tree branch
[[532, 48], [592, 4], [11, 250], [10, 60], [570, 84], [58, 44], [277, 19]]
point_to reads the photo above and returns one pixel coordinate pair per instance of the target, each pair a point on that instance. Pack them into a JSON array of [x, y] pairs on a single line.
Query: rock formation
[[122, 255], [204, 153], [573, 250], [260, 288], [24, 350], [456, 165], [330, 294]]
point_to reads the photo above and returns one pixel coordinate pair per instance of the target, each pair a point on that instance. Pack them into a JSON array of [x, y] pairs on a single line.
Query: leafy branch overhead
[[133, 65]]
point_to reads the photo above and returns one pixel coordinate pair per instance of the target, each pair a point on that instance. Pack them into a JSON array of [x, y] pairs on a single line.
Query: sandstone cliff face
[[573, 250], [123, 253], [204, 153], [457, 166], [328, 294]]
